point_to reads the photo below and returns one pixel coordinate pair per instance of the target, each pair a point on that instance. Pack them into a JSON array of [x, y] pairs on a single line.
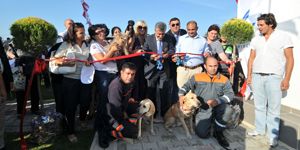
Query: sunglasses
[[140, 27], [177, 24], [100, 31]]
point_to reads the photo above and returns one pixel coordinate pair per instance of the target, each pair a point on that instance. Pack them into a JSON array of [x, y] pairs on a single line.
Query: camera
[[129, 28]]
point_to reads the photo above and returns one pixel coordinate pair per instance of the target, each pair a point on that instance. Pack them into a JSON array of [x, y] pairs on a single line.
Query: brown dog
[[146, 110], [187, 110], [120, 41]]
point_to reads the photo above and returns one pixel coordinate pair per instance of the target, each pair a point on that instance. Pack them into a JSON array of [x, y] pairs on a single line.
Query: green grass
[[59, 142]]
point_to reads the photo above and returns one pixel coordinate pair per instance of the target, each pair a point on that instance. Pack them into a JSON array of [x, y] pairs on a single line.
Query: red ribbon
[[39, 67]]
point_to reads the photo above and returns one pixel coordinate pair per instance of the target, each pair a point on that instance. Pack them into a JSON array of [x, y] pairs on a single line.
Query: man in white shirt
[[269, 71], [191, 43]]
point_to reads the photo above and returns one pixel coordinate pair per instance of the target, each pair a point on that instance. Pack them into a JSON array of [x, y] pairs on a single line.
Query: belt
[[265, 74], [193, 67]]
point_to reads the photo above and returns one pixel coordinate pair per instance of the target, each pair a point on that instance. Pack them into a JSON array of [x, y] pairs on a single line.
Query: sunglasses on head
[[140, 27], [177, 24]]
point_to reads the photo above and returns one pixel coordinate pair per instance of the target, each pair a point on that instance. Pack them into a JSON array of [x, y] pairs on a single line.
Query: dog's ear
[[152, 108]]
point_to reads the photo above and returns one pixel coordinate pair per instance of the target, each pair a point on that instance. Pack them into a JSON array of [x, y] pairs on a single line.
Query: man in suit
[[157, 70], [175, 32]]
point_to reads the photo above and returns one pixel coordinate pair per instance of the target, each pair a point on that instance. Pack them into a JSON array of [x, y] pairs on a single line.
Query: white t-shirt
[[270, 56], [110, 66]]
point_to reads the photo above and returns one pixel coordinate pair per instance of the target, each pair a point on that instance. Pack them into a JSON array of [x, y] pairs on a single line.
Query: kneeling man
[[215, 93], [121, 107]]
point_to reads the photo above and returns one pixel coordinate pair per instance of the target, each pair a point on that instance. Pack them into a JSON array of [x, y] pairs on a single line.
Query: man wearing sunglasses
[[175, 30]]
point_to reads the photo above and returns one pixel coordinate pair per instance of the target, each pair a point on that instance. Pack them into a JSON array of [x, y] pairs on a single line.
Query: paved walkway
[[163, 140]]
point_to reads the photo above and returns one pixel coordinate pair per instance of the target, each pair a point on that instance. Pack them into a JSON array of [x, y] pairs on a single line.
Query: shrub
[[237, 31], [33, 34]]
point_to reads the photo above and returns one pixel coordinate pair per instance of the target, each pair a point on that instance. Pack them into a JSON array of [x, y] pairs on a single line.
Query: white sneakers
[[273, 142], [254, 133]]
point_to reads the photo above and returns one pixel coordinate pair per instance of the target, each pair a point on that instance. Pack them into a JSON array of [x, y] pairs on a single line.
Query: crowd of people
[[180, 60]]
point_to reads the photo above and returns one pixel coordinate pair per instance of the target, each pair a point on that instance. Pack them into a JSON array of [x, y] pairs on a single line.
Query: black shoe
[[103, 141], [37, 112], [103, 144], [3, 148], [221, 139]]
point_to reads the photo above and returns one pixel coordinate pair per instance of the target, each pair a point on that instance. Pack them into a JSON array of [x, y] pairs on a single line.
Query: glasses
[[177, 24], [100, 31], [140, 27]]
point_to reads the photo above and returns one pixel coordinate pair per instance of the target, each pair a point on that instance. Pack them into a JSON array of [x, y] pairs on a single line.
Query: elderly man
[[215, 93], [157, 67]]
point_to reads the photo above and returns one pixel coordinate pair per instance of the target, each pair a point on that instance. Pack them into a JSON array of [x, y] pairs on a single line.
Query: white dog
[[147, 110]]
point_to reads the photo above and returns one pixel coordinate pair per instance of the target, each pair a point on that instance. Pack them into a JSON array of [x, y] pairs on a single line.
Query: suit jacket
[[150, 46], [173, 39]]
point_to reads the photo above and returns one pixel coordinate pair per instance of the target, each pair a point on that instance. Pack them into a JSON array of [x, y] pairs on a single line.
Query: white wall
[[287, 15]]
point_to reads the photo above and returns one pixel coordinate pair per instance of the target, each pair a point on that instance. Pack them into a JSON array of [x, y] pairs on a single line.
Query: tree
[[237, 31], [33, 35]]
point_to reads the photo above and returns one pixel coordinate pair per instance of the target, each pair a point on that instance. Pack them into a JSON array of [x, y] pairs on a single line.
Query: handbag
[[19, 78], [67, 54]]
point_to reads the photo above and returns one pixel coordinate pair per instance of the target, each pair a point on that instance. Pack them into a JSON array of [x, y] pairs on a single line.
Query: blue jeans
[[103, 79], [267, 100]]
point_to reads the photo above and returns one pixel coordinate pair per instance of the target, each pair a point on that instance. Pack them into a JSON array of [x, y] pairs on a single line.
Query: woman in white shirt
[[105, 72], [75, 92]]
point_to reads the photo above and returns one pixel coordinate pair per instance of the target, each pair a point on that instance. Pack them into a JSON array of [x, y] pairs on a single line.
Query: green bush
[[237, 31], [33, 35]]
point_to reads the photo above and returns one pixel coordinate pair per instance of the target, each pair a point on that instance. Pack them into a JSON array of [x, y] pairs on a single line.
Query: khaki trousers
[[184, 74]]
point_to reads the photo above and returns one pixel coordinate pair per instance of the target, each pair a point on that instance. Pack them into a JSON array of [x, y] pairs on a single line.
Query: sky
[[118, 12]]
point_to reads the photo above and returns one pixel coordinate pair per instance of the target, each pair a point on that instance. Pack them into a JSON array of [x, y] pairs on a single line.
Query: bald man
[[68, 23], [215, 93]]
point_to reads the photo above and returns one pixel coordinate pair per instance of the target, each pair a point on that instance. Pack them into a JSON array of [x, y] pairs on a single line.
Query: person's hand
[[284, 85], [212, 103], [68, 62], [154, 57], [249, 80], [139, 51], [157, 57], [132, 100], [87, 63], [174, 58], [228, 61], [115, 48], [166, 55], [206, 54]]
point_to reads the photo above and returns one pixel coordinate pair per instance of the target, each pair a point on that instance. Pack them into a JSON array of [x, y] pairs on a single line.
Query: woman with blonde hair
[[141, 29]]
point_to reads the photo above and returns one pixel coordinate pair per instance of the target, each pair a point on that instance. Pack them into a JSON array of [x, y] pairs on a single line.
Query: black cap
[[131, 22]]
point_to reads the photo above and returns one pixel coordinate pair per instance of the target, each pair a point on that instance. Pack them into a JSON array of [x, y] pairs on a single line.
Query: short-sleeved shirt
[[270, 57], [195, 45], [110, 66], [216, 47]]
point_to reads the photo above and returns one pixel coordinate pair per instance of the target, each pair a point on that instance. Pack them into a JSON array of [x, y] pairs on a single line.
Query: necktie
[[159, 51]]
